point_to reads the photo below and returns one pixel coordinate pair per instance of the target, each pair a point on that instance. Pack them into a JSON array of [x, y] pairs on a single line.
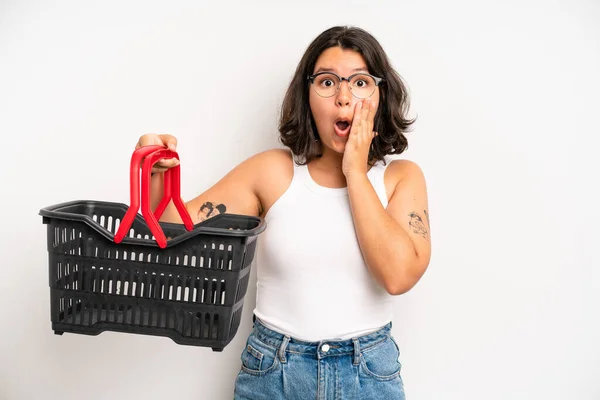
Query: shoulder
[[404, 168], [273, 171], [274, 156], [402, 173], [270, 163]]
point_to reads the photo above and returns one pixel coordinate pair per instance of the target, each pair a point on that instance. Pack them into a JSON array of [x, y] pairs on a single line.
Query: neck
[[327, 169], [330, 161]]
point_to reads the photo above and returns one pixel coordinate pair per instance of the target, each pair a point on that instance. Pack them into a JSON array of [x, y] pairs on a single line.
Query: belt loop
[[282, 348], [356, 360]]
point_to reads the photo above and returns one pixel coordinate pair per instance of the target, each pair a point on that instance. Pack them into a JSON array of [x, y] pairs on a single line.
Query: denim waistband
[[320, 349]]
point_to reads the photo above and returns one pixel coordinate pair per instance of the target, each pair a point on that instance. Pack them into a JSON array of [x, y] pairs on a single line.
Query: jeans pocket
[[257, 357], [252, 358], [381, 361]]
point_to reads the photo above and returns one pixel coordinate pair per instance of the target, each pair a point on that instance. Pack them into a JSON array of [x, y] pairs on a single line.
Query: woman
[[346, 231]]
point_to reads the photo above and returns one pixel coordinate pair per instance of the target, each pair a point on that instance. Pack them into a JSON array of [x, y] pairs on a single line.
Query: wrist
[[353, 177]]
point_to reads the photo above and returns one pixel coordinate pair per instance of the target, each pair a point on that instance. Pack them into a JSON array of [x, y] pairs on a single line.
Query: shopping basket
[[112, 269]]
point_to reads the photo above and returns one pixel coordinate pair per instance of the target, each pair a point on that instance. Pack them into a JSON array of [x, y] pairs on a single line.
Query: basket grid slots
[[78, 311], [192, 290], [148, 283], [211, 255]]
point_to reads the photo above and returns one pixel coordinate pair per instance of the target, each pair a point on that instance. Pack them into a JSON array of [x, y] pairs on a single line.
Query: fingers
[[357, 119], [367, 127], [164, 164], [367, 113], [167, 162], [372, 112], [169, 141], [165, 140], [363, 121]]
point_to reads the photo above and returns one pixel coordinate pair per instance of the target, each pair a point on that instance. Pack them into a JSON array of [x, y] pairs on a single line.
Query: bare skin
[[395, 241]]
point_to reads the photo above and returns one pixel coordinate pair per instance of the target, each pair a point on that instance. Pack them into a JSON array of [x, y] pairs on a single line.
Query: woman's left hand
[[356, 153]]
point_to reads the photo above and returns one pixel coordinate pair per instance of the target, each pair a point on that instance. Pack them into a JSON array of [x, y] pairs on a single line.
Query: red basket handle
[[172, 189]]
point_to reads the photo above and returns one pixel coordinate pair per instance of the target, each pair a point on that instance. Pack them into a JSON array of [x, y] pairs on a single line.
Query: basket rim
[[202, 228]]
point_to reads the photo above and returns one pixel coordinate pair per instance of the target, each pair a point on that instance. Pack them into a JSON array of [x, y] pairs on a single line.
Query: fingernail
[[171, 146]]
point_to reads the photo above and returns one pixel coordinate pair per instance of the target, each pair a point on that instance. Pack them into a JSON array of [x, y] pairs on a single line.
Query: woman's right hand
[[168, 141]]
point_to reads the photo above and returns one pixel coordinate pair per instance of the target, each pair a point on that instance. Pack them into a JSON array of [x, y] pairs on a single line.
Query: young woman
[[346, 230]]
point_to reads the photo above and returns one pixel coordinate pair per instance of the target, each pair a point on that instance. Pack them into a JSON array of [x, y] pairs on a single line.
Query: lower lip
[[342, 133]]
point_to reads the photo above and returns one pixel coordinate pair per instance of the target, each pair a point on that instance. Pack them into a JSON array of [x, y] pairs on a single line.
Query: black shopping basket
[[112, 269]]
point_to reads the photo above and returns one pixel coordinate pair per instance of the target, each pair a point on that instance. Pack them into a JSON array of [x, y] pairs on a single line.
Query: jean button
[[325, 348]]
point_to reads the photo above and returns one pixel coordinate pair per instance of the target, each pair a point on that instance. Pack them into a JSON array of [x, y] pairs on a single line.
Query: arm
[[235, 193], [395, 242]]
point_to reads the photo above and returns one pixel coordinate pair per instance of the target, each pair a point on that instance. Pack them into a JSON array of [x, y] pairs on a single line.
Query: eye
[[362, 81], [327, 81]]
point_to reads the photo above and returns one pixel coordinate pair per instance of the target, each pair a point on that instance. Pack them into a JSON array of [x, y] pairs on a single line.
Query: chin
[[337, 147]]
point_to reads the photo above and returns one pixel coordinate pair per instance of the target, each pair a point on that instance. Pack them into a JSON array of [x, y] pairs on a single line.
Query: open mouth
[[342, 128]]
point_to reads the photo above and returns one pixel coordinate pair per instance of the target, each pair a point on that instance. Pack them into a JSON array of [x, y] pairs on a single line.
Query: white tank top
[[312, 281]]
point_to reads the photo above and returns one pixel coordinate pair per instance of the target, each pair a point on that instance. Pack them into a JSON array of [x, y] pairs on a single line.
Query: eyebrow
[[326, 69]]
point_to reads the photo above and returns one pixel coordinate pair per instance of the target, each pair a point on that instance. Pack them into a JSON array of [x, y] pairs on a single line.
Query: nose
[[344, 96]]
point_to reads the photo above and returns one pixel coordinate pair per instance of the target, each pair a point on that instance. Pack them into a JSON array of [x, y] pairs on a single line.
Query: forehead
[[341, 61]]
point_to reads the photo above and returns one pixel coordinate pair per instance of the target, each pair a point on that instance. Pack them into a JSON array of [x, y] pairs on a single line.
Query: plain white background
[[506, 96]]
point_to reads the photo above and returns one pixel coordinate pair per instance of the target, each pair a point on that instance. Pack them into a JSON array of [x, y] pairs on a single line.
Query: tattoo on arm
[[427, 216], [417, 225], [210, 209]]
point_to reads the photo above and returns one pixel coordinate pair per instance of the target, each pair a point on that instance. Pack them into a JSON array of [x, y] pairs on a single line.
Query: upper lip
[[344, 119]]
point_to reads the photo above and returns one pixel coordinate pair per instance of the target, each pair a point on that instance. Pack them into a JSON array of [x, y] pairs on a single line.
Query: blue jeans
[[275, 366]]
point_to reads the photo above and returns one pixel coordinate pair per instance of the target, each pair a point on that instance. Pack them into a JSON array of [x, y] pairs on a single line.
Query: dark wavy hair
[[297, 127]]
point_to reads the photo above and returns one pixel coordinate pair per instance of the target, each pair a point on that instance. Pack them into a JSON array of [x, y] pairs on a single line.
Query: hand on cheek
[[356, 153]]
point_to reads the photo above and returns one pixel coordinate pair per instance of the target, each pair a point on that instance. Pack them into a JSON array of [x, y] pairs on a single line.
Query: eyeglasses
[[361, 85]]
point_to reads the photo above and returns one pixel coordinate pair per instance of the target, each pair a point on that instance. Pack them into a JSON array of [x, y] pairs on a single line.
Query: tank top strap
[[377, 177], [300, 171]]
